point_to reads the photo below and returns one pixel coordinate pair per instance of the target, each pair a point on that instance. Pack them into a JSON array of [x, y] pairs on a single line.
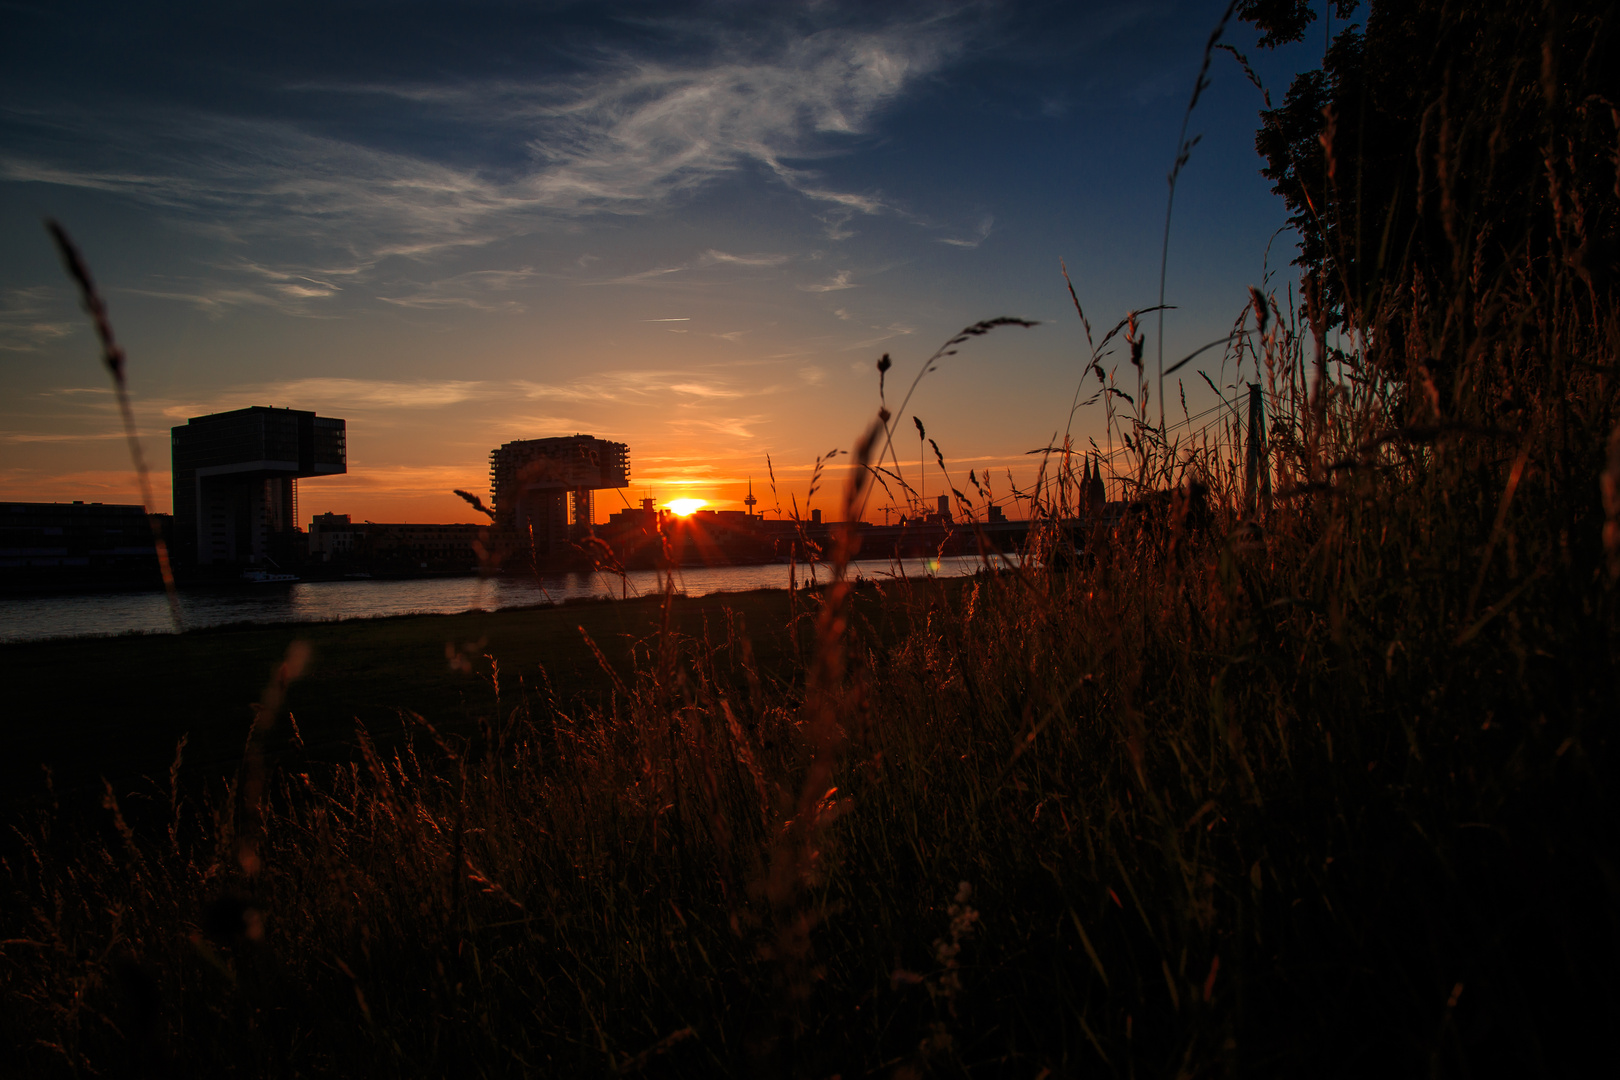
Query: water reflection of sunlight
[[25, 618]]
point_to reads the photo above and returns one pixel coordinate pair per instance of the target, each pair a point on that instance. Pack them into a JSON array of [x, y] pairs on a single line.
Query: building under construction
[[236, 481], [543, 488]]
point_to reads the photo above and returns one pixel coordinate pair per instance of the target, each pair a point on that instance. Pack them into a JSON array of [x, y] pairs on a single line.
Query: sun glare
[[685, 507]]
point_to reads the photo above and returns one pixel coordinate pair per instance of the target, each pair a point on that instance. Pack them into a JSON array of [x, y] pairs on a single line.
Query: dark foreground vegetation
[[1319, 787], [113, 707]]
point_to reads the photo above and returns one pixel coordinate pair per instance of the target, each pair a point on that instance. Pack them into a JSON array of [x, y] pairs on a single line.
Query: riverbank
[[115, 707], [116, 613]]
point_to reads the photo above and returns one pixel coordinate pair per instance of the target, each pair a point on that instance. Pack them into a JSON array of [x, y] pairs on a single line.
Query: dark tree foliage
[[1281, 22], [1443, 147]]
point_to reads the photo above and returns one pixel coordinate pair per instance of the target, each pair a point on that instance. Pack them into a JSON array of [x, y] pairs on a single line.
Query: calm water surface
[[35, 618]]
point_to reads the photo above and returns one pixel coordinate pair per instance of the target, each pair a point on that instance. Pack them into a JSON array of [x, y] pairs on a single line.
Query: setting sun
[[686, 507]]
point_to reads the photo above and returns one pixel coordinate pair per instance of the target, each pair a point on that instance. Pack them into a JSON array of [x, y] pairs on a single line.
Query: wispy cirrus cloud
[[639, 387], [427, 394], [332, 396], [247, 283], [734, 427], [417, 480], [660, 388], [217, 298], [57, 437], [709, 390], [478, 290], [713, 256], [335, 396], [980, 235], [692, 272], [643, 276], [31, 320], [625, 135], [884, 333], [836, 283]]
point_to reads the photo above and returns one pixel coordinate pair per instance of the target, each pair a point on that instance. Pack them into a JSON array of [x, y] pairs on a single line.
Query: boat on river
[[260, 576]]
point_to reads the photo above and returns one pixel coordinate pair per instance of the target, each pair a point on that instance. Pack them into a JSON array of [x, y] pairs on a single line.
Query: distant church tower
[[1096, 494]]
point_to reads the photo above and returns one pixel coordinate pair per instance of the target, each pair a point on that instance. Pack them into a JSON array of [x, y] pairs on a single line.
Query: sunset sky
[[690, 227]]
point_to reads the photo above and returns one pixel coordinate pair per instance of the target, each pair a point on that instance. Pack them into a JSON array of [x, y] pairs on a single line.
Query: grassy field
[[115, 707]]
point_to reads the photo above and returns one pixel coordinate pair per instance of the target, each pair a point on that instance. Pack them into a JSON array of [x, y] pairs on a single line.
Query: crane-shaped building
[[542, 488]]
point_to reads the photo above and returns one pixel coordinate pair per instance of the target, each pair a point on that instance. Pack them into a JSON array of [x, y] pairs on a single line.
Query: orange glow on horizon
[[686, 507]]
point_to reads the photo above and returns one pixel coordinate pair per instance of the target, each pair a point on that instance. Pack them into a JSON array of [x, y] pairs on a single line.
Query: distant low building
[[334, 538], [635, 518], [426, 547], [69, 543], [331, 537]]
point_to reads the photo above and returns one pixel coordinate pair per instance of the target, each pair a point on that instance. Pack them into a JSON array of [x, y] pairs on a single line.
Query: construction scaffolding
[[543, 489]]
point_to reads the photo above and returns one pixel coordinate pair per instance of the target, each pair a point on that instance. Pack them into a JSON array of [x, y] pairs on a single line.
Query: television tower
[[750, 502]]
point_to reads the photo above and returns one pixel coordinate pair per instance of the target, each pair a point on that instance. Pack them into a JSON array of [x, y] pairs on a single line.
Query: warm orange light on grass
[[686, 507]]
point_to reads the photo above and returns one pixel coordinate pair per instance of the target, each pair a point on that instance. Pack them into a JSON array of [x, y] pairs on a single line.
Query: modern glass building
[[236, 481]]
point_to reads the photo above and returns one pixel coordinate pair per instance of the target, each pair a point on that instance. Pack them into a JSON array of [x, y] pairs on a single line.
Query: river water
[[36, 618]]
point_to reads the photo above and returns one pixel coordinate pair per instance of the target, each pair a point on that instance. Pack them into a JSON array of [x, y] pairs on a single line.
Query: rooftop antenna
[[750, 502]]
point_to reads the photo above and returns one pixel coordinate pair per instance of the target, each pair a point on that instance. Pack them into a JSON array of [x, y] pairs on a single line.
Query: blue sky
[[691, 227]]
